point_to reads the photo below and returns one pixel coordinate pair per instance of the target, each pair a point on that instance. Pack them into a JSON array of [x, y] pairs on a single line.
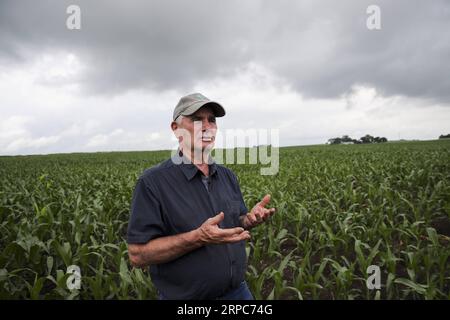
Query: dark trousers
[[242, 292]]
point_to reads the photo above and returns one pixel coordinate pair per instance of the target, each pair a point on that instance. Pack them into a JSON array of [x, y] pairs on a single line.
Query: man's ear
[[175, 128]]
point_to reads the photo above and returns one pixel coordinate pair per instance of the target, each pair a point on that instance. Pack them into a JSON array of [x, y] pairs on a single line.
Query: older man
[[188, 219]]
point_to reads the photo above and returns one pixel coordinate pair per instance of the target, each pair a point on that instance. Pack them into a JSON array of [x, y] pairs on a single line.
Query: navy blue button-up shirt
[[170, 199]]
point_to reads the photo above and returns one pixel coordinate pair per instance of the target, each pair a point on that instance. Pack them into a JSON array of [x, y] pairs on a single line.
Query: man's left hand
[[258, 214]]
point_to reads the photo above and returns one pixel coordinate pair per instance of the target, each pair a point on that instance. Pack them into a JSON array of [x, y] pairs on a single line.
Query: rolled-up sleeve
[[146, 221]]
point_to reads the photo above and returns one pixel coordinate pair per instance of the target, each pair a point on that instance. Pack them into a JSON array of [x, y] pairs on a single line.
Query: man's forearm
[[164, 249]]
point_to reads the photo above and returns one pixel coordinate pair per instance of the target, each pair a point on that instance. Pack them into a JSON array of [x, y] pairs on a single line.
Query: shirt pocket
[[231, 212]]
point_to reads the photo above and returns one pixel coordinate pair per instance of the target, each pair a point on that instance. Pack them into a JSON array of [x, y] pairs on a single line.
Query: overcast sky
[[310, 69]]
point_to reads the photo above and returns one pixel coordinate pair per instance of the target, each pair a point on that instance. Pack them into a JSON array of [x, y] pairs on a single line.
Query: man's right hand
[[209, 232]]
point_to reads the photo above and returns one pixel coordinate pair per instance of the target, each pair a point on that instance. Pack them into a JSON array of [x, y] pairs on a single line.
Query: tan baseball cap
[[191, 103]]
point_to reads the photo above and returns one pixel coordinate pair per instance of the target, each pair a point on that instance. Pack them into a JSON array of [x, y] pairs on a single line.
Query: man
[[188, 219]]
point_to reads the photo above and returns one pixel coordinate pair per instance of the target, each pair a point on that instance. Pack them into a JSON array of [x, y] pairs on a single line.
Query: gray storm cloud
[[321, 48]]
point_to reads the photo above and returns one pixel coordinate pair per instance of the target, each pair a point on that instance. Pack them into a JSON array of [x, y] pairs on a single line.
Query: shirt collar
[[188, 168]]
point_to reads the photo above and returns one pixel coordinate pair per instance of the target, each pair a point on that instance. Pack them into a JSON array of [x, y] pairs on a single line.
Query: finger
[[265, 201], [243, 236], [251, 217], [230, 232], [269, 212], [259, 214], [216, 219], [266, 216]]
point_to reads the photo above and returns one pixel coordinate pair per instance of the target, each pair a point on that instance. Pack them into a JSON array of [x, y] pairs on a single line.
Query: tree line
[[363, 140]]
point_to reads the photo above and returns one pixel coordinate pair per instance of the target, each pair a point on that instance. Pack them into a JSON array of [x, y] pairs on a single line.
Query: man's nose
[[206, 125]]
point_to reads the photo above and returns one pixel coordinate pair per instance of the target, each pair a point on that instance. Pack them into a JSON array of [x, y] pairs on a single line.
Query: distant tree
[[379, 139], [367, 139], [335, 141], [444, 136], [346, 138]]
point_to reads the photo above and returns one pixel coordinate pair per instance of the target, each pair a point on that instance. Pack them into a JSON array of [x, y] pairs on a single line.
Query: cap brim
[[218, 110]]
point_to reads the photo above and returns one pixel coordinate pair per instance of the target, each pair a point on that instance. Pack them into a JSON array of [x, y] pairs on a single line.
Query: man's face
[[201, 128]]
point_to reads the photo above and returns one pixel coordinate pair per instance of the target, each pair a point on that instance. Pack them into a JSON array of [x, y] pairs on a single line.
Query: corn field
[[340, 209]]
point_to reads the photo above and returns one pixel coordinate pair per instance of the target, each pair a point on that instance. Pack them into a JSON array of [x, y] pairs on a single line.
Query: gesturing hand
[[258, 214], [210, 232]]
